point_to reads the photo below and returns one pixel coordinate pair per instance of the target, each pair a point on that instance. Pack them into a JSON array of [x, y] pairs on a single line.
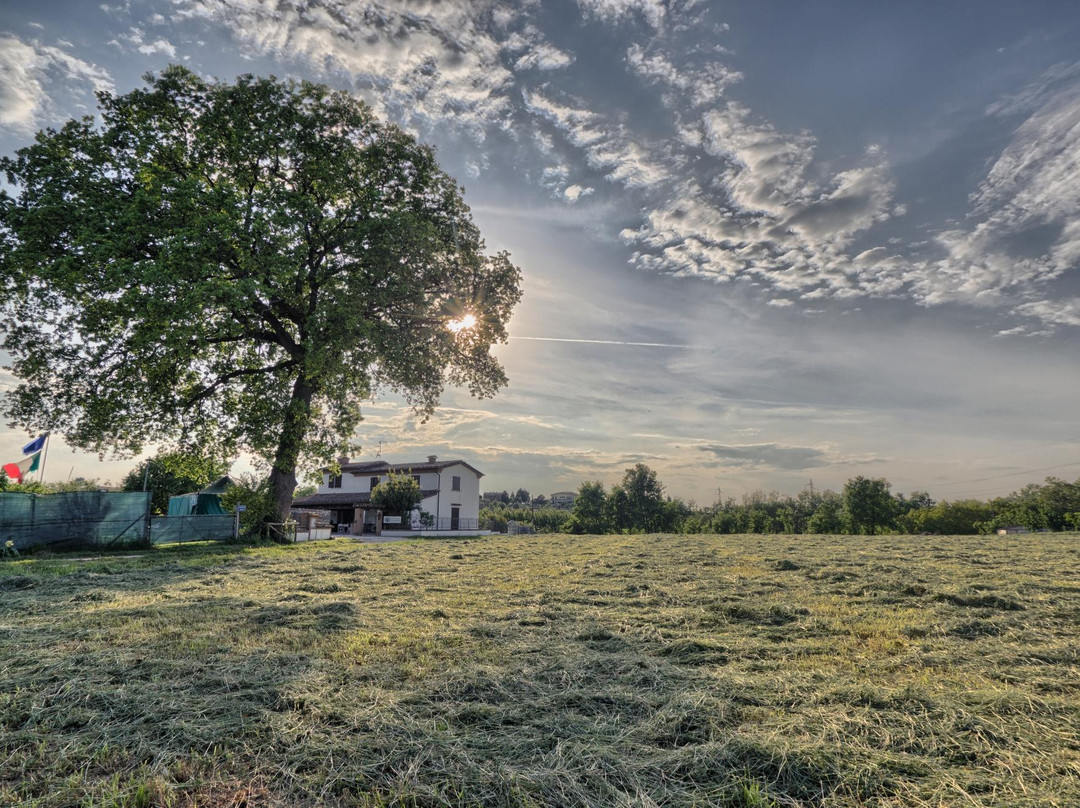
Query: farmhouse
[[563, 499], [450, 490]]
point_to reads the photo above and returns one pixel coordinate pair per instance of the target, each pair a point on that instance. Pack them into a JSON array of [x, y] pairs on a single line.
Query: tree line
[[638, 504]]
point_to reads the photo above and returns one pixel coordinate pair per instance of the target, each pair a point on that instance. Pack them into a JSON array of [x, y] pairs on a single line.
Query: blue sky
[[762, 243]]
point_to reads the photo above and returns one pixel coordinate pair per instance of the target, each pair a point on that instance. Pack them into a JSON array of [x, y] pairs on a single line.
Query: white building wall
[[467, 499], [360, 483]]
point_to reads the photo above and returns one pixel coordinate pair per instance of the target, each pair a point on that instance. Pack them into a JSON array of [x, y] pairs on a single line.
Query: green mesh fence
[[74, 517], [196, 527]]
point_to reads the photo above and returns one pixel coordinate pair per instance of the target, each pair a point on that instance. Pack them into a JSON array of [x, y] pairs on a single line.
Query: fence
[[443, 523], [194, 527], [74, 517]]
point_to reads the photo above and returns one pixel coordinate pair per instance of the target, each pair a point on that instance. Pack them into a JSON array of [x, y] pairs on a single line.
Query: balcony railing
[[440, 524]]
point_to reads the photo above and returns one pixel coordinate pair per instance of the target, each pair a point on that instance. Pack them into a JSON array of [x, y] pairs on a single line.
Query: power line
[[1010, 474]]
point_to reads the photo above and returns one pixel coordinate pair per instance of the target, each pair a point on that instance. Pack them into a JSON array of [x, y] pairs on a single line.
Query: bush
[[253, 492]]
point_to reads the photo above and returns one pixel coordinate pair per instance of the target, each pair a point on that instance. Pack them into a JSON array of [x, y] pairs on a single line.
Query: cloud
[[425, 65], [543, 57], [1024, 232], [706, 186], [611, 11], [27, 69], [772, 455]]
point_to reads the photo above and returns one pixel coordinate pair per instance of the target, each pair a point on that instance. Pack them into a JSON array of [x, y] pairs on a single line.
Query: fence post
[[147, 522]]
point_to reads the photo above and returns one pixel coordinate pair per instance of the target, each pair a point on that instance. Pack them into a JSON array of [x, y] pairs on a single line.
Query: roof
[[382, 467], [343, 500], [219, 486]]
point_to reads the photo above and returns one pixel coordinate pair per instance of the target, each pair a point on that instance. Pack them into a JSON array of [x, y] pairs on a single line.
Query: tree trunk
[[297, 421]]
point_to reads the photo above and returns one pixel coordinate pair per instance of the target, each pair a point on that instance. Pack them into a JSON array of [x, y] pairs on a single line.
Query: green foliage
[[398, 494], [869, 508], [238, 266], [544, 520], [948, 518], [169, 474], [590, 512], [253, 492], [640, 503], [52, 487]]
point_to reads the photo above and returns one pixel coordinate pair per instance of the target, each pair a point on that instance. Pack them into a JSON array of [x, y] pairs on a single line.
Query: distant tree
[[917, 500], [1017, 509], [828, 516], [239, 264], [868, 506], [398, 494], [959, 518], [168, 474], [521, 496], [1056, 498], [644, 500], [590, 513], [75, 484], [539, 501]]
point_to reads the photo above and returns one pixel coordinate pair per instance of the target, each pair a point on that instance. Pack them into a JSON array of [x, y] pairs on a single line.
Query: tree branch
[[210, 389]]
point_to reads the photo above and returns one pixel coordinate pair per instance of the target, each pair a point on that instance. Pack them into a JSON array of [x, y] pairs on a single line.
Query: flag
[[15, 471], [36, 445]]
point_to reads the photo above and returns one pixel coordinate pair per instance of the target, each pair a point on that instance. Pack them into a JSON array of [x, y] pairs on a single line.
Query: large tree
[[868, 505], [644, 499], [239, 266]]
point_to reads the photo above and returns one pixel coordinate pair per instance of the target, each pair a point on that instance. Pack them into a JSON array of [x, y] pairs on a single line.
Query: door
[[455, 516]]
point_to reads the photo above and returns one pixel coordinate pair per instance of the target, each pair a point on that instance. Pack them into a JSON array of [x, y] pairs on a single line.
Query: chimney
[[342, 460], [431, 458]]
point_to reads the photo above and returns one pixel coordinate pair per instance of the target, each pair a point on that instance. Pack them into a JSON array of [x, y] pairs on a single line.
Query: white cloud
[[425, 65], [543, 57], [27, 68], [573, 193], [158, 46], [722, 192], [652, 11]]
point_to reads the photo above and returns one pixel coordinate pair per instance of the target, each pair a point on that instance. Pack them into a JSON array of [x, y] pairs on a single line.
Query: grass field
[[548, 671]]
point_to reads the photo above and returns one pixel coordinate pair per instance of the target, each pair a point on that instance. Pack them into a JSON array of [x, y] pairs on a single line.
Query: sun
[[466, 322]]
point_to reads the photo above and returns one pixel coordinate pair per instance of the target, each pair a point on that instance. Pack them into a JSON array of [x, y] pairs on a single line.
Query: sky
[[764, 244]]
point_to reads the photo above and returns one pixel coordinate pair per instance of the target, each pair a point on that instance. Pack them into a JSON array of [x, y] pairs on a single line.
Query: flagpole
[[44, 454]]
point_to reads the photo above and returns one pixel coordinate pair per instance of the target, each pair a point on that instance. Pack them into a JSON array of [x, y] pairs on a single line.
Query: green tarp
[[207, 501]]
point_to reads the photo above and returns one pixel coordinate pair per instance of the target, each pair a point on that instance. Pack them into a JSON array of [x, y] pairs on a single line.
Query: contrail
[[605, 342]]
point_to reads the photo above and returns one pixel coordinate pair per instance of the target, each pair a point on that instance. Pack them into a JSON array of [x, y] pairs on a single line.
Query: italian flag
[[15, 471]]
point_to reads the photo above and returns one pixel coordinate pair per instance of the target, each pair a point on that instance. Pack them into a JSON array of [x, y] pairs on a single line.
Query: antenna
[[378, 454]]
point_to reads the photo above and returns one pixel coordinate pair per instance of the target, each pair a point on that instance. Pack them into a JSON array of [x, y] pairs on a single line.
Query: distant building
[[1006, 531], [563, 499], [450, 491]]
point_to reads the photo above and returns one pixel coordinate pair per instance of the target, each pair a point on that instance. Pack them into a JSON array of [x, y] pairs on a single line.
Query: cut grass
[[547, 671]]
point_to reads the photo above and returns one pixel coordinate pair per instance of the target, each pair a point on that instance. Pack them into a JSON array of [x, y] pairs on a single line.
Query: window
[[374, 482], [334, 481], [455, 483]]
